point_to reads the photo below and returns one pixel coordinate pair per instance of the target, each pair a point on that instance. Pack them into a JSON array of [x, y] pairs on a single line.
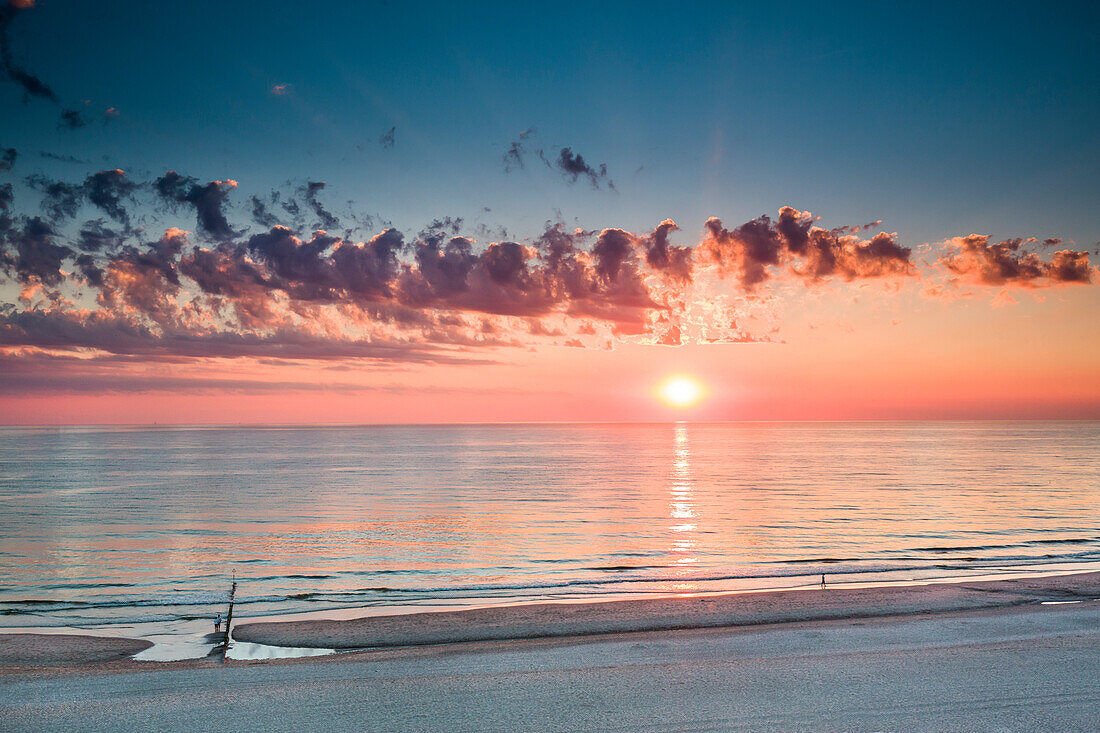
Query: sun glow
[[680, 391]]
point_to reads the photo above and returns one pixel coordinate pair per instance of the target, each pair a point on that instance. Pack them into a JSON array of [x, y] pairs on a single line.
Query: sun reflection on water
[[682, 511]]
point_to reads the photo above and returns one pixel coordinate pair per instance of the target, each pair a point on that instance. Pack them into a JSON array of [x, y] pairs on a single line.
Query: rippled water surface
[[124, 525]]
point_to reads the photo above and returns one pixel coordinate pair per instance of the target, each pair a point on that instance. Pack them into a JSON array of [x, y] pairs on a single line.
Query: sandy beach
[[665, 614], [1006, 655]]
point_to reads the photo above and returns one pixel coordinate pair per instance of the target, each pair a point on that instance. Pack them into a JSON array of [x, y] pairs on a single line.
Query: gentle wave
[[367, 595], [1029, 543]]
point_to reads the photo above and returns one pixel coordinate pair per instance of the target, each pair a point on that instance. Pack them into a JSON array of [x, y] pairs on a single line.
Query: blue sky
[[937, 119]]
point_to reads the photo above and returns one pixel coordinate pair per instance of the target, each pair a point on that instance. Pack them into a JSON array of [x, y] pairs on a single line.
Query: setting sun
[[680, 391]]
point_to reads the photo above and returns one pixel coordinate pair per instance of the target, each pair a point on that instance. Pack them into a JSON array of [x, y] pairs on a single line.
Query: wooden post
[[228, 620]]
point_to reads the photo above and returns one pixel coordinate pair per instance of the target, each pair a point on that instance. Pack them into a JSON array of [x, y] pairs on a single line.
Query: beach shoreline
[[499, 627]]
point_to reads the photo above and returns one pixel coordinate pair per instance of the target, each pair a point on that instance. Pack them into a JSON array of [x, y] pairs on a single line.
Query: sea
[[144, 530]]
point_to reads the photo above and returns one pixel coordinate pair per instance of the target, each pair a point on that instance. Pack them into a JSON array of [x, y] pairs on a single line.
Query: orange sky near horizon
[[881, 356]]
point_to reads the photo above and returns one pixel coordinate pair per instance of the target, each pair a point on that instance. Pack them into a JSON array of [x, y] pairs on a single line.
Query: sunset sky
[[405, 212]]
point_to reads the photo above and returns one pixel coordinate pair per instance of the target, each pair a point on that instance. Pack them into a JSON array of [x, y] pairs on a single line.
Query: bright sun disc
[[680, 391]]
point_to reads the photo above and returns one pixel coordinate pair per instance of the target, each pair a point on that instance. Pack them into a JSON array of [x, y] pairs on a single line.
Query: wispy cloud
[[570, 164], [33, 86], [388, 138]]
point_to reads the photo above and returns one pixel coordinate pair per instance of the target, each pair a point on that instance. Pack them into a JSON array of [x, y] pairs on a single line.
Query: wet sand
[[65, 649], [549, 620]]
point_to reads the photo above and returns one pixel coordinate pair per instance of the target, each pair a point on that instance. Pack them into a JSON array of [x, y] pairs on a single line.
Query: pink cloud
[[976, 260]]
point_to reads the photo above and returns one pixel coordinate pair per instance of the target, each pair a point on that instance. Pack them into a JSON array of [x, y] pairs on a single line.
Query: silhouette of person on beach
[[218, 624], [823, 581]]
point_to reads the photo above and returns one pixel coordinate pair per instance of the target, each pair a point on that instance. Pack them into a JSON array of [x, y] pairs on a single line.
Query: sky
[[439, 212]]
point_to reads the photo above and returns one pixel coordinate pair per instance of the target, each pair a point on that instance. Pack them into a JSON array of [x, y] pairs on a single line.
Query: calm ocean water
[[104, 525]]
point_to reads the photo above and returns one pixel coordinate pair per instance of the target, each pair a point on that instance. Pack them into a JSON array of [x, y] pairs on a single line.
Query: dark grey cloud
[[7, 222], [107, 190], [96, 236], [32, 86], [223, 271], [289, 205], [209, 201], [513, 157], [517, 151], [309, 192], [367, 269], [87, 381], [37, 255], [7, 158], [574, 166], [115, 334], [327, 268], [261, 215], [60, 200], [442, 225], [612, 249], [443, 268], [301, 269], [62, 158], [88, 267], [666, 257], [72, 119], [505, 263]]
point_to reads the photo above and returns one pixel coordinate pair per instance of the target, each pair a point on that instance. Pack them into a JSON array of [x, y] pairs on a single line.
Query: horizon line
[[519, 423]]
